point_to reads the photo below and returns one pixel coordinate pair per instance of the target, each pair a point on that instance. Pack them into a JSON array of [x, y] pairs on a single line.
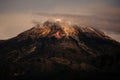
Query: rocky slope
[[57, 50]]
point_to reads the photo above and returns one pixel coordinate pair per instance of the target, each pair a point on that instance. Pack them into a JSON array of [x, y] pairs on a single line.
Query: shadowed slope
[[59, 51]]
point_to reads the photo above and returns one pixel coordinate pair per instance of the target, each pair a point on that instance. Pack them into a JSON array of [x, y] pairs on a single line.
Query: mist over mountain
[[57, 50]]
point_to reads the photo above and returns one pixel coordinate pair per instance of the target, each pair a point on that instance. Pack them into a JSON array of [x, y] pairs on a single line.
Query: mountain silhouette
[[54, 50]]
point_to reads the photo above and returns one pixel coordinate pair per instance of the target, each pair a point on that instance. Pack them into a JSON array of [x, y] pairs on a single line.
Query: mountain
[[55, 50]]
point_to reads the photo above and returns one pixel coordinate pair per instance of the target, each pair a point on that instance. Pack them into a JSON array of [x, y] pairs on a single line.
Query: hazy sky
[[62, 6], [18, 15]]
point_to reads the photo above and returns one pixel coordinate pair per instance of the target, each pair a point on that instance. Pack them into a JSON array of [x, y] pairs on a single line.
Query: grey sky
[[54, 5]]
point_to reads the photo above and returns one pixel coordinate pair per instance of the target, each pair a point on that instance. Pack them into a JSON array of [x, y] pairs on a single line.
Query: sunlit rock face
[[59, 50], [59, 29]]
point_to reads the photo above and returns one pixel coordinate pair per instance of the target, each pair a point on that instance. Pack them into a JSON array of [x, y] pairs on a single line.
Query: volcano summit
[[60, 51]]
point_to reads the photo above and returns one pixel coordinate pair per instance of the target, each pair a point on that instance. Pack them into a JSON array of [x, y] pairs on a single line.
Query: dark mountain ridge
[[56, 50]]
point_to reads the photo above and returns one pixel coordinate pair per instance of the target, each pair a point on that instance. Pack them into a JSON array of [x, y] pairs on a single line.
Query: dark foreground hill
[[59, 51]]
